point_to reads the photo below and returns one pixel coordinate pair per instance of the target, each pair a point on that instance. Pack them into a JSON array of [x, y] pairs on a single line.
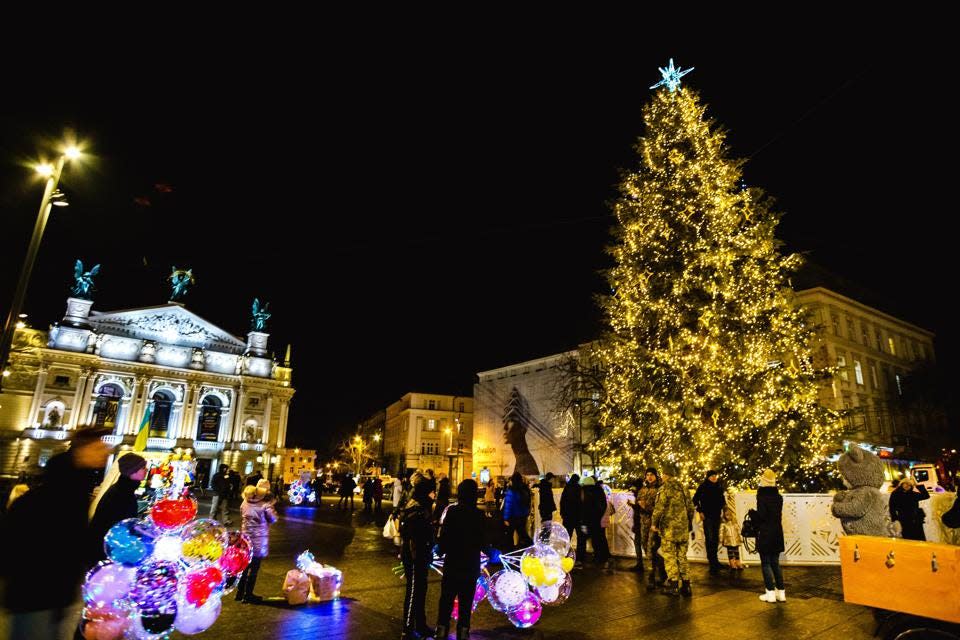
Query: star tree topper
[[671, 76]]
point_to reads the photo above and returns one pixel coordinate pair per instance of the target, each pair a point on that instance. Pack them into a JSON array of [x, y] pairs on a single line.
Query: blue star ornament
[[671, 76]]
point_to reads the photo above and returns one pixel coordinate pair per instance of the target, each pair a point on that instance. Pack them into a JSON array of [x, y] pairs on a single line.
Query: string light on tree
[[707, 362]]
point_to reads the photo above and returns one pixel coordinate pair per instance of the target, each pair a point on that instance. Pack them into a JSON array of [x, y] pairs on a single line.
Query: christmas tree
[[706, 361]]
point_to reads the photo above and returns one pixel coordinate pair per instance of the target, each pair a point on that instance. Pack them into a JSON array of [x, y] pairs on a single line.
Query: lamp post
[[378, 438], [50, 193]]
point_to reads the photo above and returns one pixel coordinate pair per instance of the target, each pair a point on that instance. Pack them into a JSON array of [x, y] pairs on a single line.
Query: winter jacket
[[416, 532], [490, 495], [905, 509], [547, 505], [257, 514], [673, 513], [769, 521], [346, 487], [443, 498], [253, 479], [118, 503], [730, 533], [397, 492], [709, 499], [570, 505], [516, 504], [50, 517], [222, 485], [461, 539], [594, 505]]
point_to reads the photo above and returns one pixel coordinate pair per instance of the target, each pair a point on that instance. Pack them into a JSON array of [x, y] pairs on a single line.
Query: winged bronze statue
[[180, 279], [83, 287], [260, 315]]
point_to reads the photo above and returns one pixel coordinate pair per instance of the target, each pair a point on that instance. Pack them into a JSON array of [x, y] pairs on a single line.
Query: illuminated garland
[[707, 362]]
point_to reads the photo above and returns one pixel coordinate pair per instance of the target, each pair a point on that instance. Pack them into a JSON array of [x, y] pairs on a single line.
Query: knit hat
[[768, 478], [653, 470], [130, 463]]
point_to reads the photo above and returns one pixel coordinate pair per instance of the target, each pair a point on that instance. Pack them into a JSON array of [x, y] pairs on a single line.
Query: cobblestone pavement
[[602, 605]]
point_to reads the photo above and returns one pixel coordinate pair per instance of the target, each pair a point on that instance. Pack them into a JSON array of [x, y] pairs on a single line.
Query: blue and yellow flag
[[140, 444]]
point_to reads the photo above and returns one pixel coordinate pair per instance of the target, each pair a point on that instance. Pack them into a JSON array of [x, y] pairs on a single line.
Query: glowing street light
[[51, 195]]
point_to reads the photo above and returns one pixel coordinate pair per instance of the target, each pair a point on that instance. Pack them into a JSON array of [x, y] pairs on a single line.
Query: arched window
[[208, 427], [105, 408], [162, 405], [53, 415]]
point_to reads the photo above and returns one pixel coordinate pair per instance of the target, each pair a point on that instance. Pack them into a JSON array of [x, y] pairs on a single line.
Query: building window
[[293, 459], [429, 448], [431, 425], [873, 376], [160, 419], [61, 381], [876, 333], [836, 324], [254, 402], [892, 345], [461, 407], [105, 408], [431, 404], [858, 372], [864, 333], [899, 388], [842, 366], [851, 331]]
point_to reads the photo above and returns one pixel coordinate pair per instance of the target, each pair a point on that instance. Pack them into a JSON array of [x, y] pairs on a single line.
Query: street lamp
[[51, 195]]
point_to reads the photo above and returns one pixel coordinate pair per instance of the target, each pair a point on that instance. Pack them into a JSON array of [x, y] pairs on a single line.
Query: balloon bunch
[[300, 492], [167, 571], [532, 577]]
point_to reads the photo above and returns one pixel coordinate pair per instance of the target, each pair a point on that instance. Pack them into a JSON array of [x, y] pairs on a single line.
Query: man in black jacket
[[416, 552], [461, 539], [546, 505], [570, 511], [45, 533], [119, 502], [709, 502], [222, 492]]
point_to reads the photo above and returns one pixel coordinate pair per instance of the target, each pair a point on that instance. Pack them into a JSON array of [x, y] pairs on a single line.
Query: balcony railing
[[161, 443], [112, 440], [46, 434], [199, 446], [250, 446]]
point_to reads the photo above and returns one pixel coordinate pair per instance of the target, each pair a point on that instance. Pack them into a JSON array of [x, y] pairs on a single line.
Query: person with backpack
[[416, 553], [516, 510], [546, 505], [461, 540]]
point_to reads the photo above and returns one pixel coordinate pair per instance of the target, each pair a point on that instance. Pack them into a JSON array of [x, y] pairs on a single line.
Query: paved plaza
[[602, 605]]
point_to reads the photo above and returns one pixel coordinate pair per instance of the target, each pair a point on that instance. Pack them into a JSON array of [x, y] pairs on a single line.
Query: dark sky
[[438, 209]]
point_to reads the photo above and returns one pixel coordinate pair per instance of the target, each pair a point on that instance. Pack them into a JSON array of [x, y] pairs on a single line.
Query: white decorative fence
[[811, 533]]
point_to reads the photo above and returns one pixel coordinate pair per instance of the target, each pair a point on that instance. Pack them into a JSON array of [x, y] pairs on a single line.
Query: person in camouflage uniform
[[672, 517]]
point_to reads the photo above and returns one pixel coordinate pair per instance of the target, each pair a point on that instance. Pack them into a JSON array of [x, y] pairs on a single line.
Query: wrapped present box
[[325, 582]]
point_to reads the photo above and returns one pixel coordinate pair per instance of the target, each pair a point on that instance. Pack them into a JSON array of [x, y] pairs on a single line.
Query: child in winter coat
[[730, 537], [257, 514]]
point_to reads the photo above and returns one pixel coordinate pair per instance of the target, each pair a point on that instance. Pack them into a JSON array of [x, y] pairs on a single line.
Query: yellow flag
[[140, 444]]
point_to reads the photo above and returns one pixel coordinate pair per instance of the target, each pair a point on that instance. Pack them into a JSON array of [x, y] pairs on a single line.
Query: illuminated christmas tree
[[705, 359]]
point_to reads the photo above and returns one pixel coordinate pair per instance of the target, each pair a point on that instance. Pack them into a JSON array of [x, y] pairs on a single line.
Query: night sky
[[440, 209]]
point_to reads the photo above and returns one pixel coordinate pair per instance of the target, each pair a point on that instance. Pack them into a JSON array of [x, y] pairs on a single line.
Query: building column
[[138, 407], [282, 426], [37, 396], [79, 399], [265, 434], [241, 396], [189, 412]]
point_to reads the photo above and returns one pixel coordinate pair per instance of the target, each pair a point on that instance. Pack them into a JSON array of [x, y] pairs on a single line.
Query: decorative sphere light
[[552, 534], [507, 590], [203, 541], [527, 613], [169, 514], [193, 620]]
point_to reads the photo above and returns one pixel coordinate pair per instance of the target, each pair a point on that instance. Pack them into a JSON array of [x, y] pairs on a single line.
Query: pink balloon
[[108, 582]]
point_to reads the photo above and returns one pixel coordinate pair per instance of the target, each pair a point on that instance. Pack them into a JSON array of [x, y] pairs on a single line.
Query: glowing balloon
[[106, 583], [526, 613], [567, 564], [155, 589], [557, 594], [152, 626], [169, 514], [105, 622], [168, 547], [130, 541], [193, 620], [203, 541], [200, 583], [483, 585], [237, 553], [507, 590], [541, 566], [552, 534]]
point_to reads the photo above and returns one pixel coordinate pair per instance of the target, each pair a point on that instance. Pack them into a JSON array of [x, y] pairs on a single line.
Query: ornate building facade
[[425, 430], [203, 391]]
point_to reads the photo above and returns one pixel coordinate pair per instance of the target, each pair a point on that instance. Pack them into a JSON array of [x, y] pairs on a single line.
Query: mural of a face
[[515, 435]]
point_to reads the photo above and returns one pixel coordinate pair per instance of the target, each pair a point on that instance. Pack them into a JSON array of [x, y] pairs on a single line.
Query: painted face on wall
[[514, 433]]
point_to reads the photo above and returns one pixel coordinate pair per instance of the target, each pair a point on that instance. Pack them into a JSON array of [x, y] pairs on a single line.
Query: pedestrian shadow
[[326, 608]]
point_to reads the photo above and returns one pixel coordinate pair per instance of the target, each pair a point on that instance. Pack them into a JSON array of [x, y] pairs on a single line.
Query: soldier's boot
[[670, 588], [685, 589]]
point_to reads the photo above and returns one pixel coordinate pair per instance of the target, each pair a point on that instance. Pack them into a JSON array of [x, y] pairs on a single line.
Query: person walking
[[516, 511], [905, 508], [490, 498], [416, 553], [222, 490], [709, 502], [461, 540], [546, 505], [672, 519], [571, 503], [42, 588], [117, 503], [378, 494], [347, 485], [593, 509], [257, 513], [769, 520]]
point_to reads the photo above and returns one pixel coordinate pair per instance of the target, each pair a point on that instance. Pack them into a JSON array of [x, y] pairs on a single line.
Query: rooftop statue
[[83, 288], [180, 279], [260, 316]]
